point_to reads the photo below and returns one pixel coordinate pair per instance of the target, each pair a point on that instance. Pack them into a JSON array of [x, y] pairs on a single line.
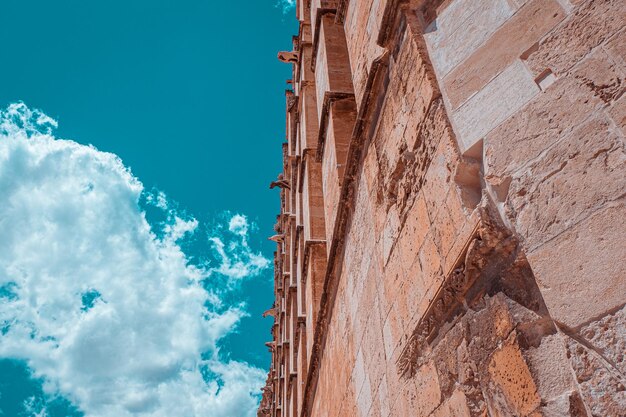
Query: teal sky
[[188, 93]]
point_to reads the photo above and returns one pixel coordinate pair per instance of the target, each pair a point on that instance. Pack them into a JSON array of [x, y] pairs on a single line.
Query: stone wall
[[451, 234]]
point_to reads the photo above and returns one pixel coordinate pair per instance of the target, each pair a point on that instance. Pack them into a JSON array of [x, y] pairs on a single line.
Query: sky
[[137, 142]]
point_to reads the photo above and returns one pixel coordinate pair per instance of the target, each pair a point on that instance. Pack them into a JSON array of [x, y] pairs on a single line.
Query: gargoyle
[[288, 57], [277, 238], [280, 182], [270, 312]]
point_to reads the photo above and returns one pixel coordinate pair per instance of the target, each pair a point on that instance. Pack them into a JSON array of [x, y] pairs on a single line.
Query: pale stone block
[[576, 285], [498, 100], [461, 28], [517, 35]]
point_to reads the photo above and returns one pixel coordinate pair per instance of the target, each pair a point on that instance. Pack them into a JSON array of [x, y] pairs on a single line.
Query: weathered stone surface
[[608, 336], [548, 364], [514, 37], [512, 89], [462, 27], [590, 25], [550, 116], [451, 242], [577, 287], [618, 114], [558, 191], [513, 381], [602, 389]]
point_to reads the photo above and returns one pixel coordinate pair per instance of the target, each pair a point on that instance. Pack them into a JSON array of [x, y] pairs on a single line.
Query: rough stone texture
[[451, 243]]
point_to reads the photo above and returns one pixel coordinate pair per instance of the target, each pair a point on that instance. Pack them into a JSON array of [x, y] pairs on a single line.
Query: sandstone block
[[549, 117], [590, 25], [514, 381], [603, 78], [575, 286]]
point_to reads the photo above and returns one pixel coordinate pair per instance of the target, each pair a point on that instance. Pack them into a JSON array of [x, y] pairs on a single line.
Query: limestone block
[[602, 76], [603, 390], [455, 406], [419, 396], [492, 105], [444, 232], [383, 398], [461, 28], [414, 231], [549, 117], [561, 189], [549, 366], [430, 261], [608, 336], [590, 25], [575, 285], [616, 47], [374, 350], [364, 399], [440, 167], [514, 37], [390, 233], [307, 76], [570, 404]]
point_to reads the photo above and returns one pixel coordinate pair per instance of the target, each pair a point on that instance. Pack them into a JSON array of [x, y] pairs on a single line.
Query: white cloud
[[286, 5], [108, 314]]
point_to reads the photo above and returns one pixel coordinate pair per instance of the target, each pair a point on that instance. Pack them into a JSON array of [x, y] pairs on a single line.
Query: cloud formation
[[286, 5], [110, 313]]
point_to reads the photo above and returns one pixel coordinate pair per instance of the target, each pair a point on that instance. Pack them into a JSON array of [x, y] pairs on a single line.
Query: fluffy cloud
[[108, 312]]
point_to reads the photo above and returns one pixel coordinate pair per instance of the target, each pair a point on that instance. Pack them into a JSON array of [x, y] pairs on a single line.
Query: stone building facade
[[452, 231]]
